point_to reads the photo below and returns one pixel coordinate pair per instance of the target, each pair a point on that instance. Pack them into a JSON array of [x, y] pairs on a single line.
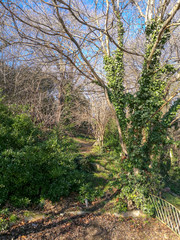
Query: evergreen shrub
[[34, 164]]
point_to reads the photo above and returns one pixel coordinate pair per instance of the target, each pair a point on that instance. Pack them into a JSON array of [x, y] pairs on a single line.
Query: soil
[[91, 227], [85, 145], [69, 219]]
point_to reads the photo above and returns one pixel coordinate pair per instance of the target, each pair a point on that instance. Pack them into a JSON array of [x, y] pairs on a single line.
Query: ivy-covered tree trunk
[[114, 67], [145, 129]]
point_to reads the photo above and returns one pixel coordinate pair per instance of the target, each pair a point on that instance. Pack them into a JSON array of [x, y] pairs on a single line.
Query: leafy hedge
[[34, 164], [111, 137]]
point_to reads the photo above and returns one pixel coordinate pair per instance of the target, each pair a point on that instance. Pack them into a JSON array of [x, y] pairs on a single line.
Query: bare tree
[[83, 34], [44, 89], [99, 117]]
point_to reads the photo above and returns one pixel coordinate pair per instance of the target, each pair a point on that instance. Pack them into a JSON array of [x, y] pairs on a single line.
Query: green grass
[[98, 183], [7, 218], [174, 200], [85, 138]]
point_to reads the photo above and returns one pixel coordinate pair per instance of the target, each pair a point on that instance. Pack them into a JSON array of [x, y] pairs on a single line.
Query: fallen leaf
[[23, 237]]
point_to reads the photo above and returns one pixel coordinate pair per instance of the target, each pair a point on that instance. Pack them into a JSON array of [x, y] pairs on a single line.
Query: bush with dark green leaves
[[33, 163], [111, 137], [6, 219]]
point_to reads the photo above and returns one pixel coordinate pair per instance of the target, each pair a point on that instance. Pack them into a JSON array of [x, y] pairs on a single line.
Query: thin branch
[[171, 15], [178, 117], [100, 81], [139, 9], [164, 105]]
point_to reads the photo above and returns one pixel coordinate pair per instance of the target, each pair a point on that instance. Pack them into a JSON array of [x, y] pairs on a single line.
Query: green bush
[[90, 192], [135, 186], [173, 175], [34, 164], [6, 219], [111, 137], [173, 180]]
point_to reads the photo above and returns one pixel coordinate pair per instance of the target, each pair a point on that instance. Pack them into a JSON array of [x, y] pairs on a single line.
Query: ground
[[70, 219]]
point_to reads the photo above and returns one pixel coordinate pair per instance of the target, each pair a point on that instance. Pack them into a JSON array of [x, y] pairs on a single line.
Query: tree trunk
[[123, 145]]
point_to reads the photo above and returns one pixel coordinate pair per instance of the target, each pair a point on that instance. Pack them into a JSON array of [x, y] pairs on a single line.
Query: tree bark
[[123, 145]]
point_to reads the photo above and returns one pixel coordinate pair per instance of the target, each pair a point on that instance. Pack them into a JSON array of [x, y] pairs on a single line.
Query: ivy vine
[[144, 133]]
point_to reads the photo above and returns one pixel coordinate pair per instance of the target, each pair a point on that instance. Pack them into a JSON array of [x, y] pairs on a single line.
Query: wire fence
[[167, 213]]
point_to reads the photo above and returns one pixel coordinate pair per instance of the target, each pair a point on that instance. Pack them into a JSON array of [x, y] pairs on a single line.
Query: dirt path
[[85, 145], [71, 220], [91, 226]]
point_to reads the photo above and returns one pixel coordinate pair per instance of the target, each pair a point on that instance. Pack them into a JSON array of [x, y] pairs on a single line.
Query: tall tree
[[85, 33]]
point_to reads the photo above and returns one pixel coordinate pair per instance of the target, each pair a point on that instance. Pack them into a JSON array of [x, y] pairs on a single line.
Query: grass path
[[85, 146]]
